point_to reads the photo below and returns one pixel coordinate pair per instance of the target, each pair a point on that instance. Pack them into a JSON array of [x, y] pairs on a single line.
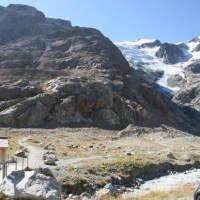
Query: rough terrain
[[90, 158], [67, 93], [73, 76]]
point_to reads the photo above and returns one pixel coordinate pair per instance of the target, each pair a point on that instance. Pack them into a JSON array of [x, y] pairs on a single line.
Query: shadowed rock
[[170, 53], [156, 43]]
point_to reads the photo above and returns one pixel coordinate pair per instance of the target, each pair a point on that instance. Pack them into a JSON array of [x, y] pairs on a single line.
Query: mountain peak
[[196, 39], [24, 8], [17, 21]]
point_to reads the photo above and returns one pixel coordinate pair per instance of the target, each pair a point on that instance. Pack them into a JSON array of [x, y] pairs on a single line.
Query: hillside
[[59, 75]]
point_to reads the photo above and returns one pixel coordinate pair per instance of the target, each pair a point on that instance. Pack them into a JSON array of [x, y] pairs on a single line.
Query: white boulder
[[31, 185]]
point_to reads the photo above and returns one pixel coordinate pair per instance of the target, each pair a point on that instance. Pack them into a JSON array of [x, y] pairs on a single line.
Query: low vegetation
[[180, 193], [95, 157]]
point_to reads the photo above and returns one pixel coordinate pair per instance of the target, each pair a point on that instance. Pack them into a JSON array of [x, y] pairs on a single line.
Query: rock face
[[63, 75], [150, 76], [170, 53], [197, 48], [176, 81], [31, 185], [194, 68], [189, 95], [20, 20]]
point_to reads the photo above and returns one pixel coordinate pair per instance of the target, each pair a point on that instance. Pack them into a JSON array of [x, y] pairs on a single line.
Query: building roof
[[4, 142]]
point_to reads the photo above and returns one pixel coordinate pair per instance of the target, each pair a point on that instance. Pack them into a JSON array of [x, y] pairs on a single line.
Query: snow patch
[[146, 60]]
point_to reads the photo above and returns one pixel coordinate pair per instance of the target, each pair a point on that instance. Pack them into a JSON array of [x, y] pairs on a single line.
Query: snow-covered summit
[[141, 54]]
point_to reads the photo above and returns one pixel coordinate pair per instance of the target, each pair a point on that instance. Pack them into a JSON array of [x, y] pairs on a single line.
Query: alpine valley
[[84, 118]]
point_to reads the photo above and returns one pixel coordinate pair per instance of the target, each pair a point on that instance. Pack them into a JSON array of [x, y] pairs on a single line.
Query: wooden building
[[3, 149], [4, 145]]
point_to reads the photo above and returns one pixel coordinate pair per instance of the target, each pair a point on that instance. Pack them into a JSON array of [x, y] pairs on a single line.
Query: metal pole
[[8, 160], [4, 171], [16, 165], [22, 163], [27, 161]]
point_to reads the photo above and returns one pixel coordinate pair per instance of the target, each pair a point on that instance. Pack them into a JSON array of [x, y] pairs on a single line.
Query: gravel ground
[[94, 144]]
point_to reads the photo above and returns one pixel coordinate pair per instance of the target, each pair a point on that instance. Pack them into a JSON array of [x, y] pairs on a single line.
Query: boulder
[[48, 156], [131, 129], [11, 160], [50, 161], [171, 155], [21, 153], [46, 171], [108, 189], [31, 185], [85, 196]]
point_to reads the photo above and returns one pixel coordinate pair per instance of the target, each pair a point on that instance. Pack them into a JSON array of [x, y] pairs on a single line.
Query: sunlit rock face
[[53, 74]]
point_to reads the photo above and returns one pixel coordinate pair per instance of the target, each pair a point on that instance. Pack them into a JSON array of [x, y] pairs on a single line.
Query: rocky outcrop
[[19, 89], [150, 76], [197, 48], [194, 68], [156, 43], [31, 185], [189, 95], [196, 39], [170, 53], [176, 81]]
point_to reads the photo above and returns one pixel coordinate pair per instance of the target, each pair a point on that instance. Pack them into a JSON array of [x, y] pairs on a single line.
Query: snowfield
[[145, 59]]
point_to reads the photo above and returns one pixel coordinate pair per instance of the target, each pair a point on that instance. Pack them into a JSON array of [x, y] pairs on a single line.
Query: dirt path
[[35, 154], [36, 161]]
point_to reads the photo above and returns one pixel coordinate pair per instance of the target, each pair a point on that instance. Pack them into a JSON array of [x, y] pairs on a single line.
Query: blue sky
[[167, 20]]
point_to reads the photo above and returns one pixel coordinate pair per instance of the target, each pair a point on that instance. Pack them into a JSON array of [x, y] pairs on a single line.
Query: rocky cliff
[[170, 53], [56, 74]]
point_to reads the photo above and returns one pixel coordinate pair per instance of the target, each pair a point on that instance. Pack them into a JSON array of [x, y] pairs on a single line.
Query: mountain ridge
[[75, 76]]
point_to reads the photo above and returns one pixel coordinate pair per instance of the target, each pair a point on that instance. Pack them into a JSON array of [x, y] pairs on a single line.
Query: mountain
[[170, 66], [172, 69], [54, 74], [20, 20]]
